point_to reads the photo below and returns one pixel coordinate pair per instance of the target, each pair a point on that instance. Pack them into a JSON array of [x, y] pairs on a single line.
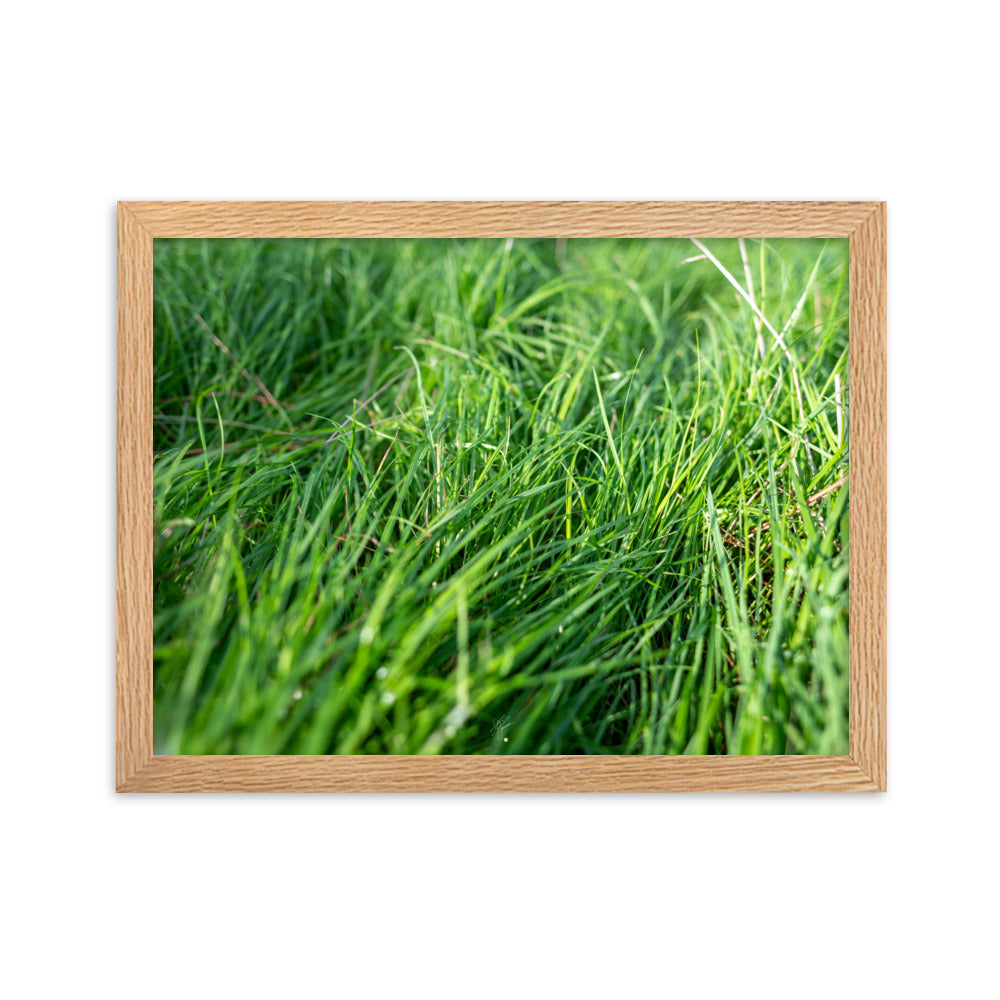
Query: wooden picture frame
[[863, 768]]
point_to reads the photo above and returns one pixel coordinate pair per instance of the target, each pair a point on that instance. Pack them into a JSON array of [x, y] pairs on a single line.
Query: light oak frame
[[863, 768]]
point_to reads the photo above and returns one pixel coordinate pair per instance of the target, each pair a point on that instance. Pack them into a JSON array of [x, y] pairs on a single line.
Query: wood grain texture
[[134, 476], [863, 769], [500, 774], [520, 219], [867, 416]]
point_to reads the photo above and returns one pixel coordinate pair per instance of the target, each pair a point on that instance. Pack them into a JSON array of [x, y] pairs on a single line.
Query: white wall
[[497, 897]]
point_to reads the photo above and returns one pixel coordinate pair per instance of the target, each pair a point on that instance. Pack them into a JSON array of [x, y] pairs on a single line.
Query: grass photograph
[[500, 496]]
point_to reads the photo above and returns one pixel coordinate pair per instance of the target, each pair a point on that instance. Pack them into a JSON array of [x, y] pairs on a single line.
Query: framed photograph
[[510, 496]]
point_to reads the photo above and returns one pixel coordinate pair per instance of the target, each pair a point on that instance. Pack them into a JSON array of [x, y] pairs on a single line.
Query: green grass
[[491, 496]]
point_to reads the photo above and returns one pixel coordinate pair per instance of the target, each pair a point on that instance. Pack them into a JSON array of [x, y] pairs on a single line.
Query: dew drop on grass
[[388, 697], [296, 695], [367, 635], [382, 673]]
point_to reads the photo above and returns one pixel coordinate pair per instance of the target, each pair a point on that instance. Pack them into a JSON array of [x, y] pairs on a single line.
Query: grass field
[[500, 496]]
